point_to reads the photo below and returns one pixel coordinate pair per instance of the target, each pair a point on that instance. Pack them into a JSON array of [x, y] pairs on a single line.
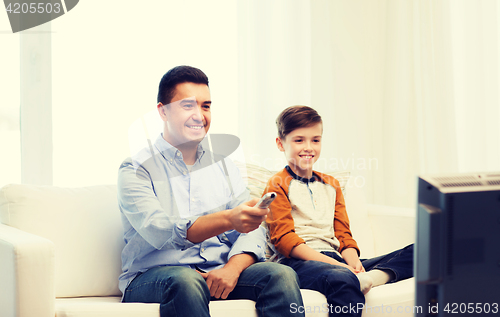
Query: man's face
[[302, 148], [188, 116]]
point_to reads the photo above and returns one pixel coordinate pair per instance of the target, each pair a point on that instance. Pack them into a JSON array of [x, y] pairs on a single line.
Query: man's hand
[[221, 282], [245, 217]]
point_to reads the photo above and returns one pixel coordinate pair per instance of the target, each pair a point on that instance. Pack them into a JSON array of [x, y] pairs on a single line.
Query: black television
[[457, 249]]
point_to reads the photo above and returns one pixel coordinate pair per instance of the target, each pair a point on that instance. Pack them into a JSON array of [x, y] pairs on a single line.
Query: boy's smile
[[302, 148]]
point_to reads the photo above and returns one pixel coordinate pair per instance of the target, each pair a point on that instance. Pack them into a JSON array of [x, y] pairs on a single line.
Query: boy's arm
[[341, 222], [348, 247], [279, 220], [306, 253]]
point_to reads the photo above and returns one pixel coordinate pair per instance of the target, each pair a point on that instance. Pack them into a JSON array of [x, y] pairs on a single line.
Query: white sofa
[[60, 253]]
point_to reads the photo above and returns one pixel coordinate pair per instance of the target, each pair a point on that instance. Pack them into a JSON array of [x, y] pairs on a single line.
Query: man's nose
[[197, 116]]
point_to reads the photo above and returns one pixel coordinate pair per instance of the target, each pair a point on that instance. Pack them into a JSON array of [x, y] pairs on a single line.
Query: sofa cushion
[[111, 306], [83, 223], [386, 300]]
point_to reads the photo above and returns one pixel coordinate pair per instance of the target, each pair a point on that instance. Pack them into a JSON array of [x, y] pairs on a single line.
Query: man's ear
[[280, 144], [161, 111]]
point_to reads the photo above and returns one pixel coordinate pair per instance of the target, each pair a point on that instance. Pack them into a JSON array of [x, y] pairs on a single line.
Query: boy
[[308, 223]]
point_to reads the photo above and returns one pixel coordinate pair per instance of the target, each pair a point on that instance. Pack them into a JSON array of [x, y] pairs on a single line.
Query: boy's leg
[[180, 291], [274, 288], [398, 264], [339, 285]]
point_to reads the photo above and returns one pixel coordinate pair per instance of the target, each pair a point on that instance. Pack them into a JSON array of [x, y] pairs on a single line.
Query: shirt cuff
[[253, 242]]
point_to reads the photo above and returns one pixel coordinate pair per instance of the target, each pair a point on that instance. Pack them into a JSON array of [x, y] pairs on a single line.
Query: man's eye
[[206, 107], [188, 106]]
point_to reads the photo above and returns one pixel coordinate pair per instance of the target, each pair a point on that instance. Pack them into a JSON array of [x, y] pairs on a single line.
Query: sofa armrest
[[393, 227], [26, 274]]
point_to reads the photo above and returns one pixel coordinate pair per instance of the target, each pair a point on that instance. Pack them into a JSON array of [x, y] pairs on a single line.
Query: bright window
[[10, 141], [107, 60]]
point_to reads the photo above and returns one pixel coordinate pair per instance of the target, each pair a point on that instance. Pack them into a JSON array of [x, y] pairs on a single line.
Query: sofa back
[[83, 223]]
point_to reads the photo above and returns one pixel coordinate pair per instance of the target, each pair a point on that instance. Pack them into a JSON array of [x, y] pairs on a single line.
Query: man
[[191, 234]]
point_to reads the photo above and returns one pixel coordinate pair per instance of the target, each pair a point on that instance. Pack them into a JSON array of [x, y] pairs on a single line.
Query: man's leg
[[180, 291], [274, 288], [338, 284]]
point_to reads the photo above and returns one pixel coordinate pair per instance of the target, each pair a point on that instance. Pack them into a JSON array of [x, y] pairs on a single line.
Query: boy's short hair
[[178, 75], [296, 117]]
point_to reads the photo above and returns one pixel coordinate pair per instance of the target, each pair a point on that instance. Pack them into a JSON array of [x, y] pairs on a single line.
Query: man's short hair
[[296, 117], [178, 75]]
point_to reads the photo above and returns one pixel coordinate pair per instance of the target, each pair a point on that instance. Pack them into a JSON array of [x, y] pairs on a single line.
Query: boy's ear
[[280, 145]]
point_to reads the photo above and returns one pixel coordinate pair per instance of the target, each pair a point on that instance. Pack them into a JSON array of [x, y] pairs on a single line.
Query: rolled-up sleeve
[[253, 242], [139, 204]]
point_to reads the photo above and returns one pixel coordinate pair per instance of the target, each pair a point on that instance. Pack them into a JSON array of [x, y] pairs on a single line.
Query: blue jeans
[[340, 286], [183, 292]]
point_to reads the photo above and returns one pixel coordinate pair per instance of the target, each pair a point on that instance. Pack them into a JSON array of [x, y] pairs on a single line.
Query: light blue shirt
[[160, 199]]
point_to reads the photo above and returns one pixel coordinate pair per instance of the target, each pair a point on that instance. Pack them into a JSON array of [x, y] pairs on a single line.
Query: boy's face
[[302, 148], [188, 116]]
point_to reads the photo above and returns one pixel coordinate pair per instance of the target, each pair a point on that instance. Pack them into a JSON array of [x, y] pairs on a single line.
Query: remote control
[[266, 200]]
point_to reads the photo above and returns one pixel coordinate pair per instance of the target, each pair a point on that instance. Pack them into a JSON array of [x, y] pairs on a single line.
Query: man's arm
[[243, 218], [138, 202]]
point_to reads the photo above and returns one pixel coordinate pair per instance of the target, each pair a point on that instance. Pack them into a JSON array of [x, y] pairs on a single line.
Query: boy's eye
[[188, 106], [298, 141]]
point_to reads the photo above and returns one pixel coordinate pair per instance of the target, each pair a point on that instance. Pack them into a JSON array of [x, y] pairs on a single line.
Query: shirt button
[[183, 173], [202, 249], [178, 154], [192, 199]]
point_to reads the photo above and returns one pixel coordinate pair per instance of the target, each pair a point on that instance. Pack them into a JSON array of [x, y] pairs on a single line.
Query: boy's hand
[[358, 267], [350, 255], [335, 262], [246, 217]]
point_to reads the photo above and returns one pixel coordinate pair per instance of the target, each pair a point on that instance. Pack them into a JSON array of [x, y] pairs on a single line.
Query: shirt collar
[[302, 179], [171, 152]]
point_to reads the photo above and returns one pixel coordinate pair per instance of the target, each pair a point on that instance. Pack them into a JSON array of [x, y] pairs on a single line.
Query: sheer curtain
[[404, 87], [274, 61]]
